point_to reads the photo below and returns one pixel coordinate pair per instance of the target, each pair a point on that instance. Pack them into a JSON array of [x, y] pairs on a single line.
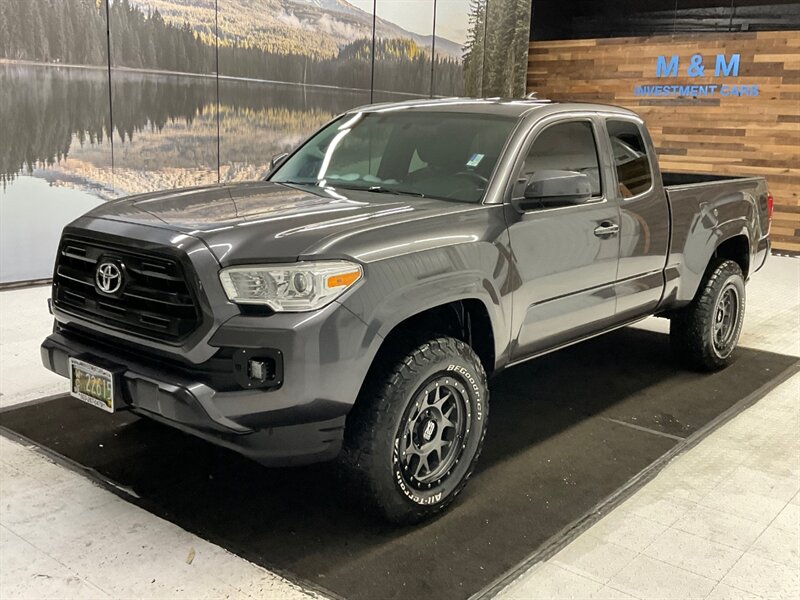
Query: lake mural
[[103, 99]]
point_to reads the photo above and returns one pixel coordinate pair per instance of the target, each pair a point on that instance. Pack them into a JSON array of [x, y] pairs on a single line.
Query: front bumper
[[300, 422], [325, 355]]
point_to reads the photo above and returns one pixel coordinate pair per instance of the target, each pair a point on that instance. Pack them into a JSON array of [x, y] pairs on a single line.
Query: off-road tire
[[692, 328], [378, 427]]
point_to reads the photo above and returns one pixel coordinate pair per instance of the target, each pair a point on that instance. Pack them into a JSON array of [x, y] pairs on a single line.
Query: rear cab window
[[631, 161]]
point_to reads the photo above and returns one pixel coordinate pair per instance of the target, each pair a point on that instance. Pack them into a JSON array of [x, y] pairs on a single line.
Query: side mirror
[[277, 161], [551, 188]]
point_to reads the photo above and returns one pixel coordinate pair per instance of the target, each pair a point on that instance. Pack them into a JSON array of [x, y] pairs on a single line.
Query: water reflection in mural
[[167, 128], [259, 120], [54, 118], [179, 146], [285, 67]]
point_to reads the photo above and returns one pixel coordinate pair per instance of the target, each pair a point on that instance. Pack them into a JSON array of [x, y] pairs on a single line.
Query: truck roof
[[508, 107]]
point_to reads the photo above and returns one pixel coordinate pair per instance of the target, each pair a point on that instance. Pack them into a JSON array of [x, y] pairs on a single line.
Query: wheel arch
[[684, 280], [737, 249], [467, 319]]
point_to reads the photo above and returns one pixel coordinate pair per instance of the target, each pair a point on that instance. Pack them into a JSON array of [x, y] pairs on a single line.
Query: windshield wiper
[[384, 190], [290, 182], [377, 189]]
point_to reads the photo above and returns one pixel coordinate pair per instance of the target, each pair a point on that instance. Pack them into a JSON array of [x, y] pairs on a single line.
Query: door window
[[569, 146], [630, 158]]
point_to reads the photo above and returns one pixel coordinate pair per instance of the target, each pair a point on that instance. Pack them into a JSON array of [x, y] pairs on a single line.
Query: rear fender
[[693, 246]]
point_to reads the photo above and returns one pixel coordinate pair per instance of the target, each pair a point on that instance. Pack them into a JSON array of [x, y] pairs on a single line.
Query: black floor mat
[[560, 441]]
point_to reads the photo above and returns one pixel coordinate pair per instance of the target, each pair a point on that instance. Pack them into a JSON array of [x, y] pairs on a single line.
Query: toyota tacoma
[[353, 303]]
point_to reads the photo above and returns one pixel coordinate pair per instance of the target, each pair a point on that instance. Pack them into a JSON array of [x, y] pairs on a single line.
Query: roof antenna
[[532, 95]]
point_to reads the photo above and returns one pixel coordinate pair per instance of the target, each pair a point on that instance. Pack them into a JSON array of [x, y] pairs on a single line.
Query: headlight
[[295, 287]]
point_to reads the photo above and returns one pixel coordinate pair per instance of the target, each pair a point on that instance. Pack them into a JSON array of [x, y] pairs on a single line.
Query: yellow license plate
[[92, 384]]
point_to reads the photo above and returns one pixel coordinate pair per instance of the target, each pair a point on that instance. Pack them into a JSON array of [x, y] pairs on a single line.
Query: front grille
[[155, 300]]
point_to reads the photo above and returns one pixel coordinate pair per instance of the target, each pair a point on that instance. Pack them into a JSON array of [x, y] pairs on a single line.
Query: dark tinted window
[[566, 147], [630, 157]]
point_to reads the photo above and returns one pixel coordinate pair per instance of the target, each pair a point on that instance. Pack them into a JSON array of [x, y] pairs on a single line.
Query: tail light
[[770, 209]]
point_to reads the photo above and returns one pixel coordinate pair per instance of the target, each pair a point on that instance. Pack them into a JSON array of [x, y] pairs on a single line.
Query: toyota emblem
[[108, 277]]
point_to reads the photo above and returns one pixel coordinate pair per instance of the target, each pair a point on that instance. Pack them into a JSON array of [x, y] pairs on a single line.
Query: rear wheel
[[416, 432], [705, 333]]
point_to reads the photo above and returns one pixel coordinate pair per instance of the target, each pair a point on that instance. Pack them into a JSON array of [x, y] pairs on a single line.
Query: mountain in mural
[[315, 27], [142, 38]]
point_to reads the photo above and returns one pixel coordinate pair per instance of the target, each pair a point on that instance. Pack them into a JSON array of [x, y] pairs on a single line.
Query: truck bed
[[700, 192], [693, 194], [702, 205], [672, 179]]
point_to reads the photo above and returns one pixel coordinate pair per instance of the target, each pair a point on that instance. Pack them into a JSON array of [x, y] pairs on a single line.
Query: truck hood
[[270, 221]]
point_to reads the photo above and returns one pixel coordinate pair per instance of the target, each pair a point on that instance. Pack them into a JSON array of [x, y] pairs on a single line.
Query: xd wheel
[[428, 444], [726, 319], [415, 434], [705, 333]]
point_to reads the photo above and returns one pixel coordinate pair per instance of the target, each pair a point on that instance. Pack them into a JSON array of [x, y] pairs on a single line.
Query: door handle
[[606, 229]]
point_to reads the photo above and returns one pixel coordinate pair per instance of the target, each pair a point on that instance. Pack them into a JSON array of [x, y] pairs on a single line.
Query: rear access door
[[644, 217]]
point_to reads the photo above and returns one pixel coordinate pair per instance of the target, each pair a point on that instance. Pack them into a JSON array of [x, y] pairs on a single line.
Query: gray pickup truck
[[353, 304]]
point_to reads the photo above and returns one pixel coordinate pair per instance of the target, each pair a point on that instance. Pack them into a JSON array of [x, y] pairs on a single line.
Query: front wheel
[[415, 434], [705, 333]]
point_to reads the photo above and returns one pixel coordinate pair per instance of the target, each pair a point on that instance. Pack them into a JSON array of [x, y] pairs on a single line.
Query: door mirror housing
[[277, 161], [551, 188]]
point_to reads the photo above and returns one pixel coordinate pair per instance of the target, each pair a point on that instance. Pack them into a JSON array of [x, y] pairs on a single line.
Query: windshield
[[429, 154]]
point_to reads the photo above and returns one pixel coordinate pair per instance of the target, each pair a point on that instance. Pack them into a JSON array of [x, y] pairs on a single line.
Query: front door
[[566, 256]]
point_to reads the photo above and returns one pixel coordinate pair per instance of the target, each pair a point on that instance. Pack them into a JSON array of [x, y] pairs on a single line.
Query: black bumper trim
[[192, 407]]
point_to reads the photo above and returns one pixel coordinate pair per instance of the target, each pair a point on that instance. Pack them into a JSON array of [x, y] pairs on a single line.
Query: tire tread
[[372, 423], [689, 331]]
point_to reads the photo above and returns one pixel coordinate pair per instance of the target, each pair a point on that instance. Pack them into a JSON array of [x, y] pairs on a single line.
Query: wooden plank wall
[[726, 135]]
